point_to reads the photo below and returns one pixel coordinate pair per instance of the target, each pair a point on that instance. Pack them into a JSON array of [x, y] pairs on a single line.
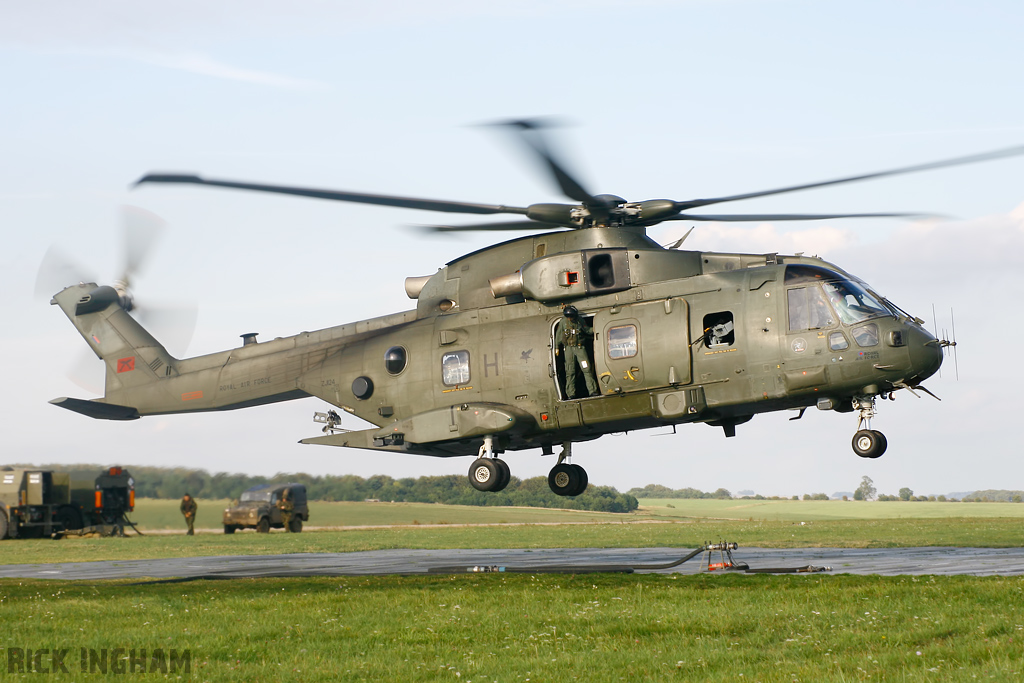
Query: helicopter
[[586, 329]]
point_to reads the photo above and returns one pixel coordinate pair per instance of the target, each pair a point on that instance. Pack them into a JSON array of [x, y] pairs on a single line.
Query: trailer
[[38, 503]]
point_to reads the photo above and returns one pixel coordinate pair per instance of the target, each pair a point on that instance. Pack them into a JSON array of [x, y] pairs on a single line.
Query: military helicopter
[[484, 365]]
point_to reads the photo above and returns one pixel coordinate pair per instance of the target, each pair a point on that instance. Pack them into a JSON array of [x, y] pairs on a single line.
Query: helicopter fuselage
[[677, 337]]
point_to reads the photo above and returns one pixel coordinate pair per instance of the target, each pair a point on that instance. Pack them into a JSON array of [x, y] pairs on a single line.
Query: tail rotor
[[140, 232]]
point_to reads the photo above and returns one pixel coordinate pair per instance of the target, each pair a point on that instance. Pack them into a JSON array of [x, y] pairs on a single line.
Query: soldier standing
[[572, 334], [188, 508], [287, 506]]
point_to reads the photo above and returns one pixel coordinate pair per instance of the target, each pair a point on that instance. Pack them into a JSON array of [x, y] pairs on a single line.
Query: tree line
[[867, 491], [659, 491], [173, 483]]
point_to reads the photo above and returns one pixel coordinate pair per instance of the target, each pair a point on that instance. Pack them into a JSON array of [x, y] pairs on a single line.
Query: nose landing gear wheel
[[869, 443]]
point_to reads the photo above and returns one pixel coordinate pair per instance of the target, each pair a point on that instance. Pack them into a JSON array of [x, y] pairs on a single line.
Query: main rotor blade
[[337, 195], [141, 229], [974, 158], [483, 227], [742, 217], [172, 326], [57, 271], [530, 133]]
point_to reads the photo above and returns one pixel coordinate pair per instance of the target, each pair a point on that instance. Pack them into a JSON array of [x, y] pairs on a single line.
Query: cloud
[[206, 66], [762, 238]]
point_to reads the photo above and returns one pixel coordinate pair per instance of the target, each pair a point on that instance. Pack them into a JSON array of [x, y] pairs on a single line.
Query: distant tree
[[941, 499], [807, 496], [722, 494], [1016, 499], [906, 494], [866, 489]]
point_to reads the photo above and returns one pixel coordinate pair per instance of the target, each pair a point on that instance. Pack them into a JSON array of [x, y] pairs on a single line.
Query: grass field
[[519, 628], [166, 514], [155, 514], [807, 510], [970, 532]]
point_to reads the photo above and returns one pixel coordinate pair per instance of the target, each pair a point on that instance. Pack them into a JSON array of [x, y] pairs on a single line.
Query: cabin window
[[455, 368], [837, 341], [394, 360], [808, 309], [622, 341], [719, 329], [866, 335]]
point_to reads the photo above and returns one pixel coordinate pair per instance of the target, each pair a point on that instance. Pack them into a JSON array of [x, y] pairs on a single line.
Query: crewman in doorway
[[571, 334]]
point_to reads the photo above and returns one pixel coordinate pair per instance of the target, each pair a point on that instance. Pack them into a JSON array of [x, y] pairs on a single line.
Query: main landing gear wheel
[[489, 474], [567, 480], [506, 475], [584, 480], [869, 443]]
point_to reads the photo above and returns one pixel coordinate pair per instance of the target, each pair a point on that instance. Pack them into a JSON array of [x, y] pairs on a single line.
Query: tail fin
[[133, 358]]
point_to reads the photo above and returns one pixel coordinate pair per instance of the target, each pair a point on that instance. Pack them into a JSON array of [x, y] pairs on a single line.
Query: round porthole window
[[395, 360]]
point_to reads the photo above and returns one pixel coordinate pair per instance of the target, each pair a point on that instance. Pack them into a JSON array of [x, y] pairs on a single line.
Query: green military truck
[[259, 509], [37, 503]]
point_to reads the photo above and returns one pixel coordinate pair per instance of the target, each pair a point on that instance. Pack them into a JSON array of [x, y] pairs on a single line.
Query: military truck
[[258, 509], [35, 502]]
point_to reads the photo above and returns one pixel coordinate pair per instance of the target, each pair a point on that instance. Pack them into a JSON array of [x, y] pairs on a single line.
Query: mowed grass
[[155, 514], [807, 510], [885, 533], [517, 627], [514, 628], [158, 514]]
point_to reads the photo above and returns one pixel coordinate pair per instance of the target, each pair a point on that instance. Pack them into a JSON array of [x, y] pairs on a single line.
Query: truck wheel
[[3, 525], [69, 518], [263, 527], [295, 526], [229, 528]]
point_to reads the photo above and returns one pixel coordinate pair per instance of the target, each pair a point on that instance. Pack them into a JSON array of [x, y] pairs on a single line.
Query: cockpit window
[[808, 309], [853, 303]]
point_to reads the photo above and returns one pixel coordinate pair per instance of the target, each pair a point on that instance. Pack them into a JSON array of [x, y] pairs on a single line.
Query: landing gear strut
[[566, 479], [867, 442], [488, 472]]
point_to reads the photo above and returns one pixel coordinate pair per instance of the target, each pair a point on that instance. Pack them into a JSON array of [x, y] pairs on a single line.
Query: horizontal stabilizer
[[97, 410]]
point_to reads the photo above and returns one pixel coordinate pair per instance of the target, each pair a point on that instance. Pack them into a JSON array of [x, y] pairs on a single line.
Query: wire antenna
[[952, 321]]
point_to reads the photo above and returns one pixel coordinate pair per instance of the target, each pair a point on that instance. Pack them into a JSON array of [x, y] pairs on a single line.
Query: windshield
[[852, 302], [261, 496]]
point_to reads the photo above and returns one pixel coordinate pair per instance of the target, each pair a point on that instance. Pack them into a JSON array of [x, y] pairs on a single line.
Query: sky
[[658, 99]]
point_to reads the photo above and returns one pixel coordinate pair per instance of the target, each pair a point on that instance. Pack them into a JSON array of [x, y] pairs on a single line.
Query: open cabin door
[[642, 346]]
